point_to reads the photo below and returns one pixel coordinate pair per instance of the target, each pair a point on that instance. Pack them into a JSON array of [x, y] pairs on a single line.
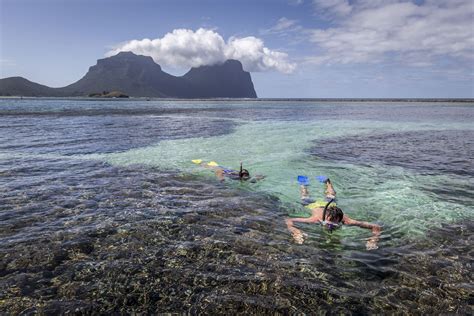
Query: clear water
[[101, 197]]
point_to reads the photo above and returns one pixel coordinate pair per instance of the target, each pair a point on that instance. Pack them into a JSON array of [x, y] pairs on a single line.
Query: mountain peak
[[124, 58], [229, 64], [128, 53], [234, 64]]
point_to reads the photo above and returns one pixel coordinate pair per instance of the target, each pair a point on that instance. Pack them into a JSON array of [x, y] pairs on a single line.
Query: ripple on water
[[99, 133], [427, 152]]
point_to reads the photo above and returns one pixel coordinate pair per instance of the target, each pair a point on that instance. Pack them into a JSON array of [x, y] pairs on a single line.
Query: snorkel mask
[[329, 224]]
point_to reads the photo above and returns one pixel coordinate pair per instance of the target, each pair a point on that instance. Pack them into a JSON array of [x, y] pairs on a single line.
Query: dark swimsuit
[[232, 174]]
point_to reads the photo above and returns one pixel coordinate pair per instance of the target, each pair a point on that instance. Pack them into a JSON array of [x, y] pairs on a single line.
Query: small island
[[107, 94]]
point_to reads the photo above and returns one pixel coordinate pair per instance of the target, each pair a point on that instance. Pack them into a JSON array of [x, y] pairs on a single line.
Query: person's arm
[[298, 236], [376, 229]]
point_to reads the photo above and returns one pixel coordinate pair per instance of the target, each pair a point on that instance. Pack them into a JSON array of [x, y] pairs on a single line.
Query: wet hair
[[244, 173], [335, 214]]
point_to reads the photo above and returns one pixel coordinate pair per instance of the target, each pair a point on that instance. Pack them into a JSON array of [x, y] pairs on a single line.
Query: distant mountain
[[18, 86], [227, 80], [140, 76], [132, 74]]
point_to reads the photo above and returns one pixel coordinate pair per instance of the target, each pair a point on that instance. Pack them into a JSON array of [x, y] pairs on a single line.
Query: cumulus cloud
[[375, 30], [188, 48]]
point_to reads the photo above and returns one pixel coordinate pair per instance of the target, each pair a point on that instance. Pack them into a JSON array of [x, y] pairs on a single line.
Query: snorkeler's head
[[334, 218], [334, 214], [244, 174]]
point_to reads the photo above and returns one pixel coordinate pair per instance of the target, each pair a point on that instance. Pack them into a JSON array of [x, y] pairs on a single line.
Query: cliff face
[[225, 80], [134, 75], [140, 76]]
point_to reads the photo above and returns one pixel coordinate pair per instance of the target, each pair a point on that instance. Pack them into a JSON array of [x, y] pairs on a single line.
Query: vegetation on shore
[[107, 94]]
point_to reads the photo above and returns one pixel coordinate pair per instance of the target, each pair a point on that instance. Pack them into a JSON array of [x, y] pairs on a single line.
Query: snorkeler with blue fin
[[327, 213], [222, 172]]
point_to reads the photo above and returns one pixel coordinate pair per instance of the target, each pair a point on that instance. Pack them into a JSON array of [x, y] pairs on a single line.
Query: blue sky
[[293, 48]]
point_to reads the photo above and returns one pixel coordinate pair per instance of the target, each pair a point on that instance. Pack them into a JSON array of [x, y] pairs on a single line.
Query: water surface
[[102, 209]]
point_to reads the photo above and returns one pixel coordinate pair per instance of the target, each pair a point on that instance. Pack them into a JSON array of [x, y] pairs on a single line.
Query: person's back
[[223, 173]]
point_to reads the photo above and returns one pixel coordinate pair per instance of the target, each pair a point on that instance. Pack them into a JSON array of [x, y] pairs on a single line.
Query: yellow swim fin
[[197, 161], [213, 164]]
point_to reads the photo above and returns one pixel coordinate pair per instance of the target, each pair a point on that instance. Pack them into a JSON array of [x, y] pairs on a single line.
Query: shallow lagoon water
[[103, 210]]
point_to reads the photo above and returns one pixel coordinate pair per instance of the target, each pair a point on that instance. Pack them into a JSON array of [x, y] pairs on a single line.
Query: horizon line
[[398, 99]]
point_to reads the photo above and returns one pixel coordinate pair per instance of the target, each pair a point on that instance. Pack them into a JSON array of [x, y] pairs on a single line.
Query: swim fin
[[303, 180], [322, 179], [197, 161], [213, 164]]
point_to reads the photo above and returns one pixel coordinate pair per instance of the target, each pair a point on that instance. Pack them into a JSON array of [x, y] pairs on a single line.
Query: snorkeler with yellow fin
[[222, 172]]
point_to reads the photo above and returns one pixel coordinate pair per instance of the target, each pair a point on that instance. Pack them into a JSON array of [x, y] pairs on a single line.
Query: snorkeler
[[222, 173], [328, 215]]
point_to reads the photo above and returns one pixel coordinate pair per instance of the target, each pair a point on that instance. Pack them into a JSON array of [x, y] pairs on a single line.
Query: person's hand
[[372, 244], [372, 241]]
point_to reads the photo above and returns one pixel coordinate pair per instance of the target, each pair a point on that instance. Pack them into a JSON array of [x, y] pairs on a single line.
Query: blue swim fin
[[303, 180], [322, 179]]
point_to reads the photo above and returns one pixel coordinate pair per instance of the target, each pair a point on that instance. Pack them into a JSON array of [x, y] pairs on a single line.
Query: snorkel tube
[[243, 173]]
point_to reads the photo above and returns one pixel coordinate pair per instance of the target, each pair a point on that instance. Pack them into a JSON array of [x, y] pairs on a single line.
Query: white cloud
[[283, 26], [188, 48], [372, 31], [333, 7]]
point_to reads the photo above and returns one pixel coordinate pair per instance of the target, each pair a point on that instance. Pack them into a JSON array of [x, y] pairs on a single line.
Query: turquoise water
[[103, 211], [387, 195]]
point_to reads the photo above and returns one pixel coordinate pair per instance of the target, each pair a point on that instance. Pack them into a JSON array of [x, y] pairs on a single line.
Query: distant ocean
[[102, 210]]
